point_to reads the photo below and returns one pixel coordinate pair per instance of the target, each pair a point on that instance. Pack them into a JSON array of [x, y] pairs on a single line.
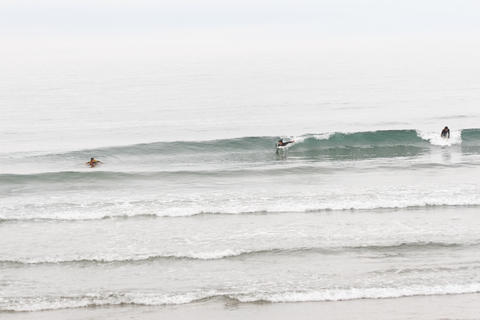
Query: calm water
[[192, 201]]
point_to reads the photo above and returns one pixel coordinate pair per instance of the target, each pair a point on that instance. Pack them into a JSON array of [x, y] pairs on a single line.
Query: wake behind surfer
[[445, 133], [93, 162]]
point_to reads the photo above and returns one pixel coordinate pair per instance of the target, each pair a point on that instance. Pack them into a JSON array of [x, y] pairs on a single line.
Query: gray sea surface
[[193, 201]]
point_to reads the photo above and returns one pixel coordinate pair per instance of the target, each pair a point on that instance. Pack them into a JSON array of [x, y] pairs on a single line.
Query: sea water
[[192, 202]]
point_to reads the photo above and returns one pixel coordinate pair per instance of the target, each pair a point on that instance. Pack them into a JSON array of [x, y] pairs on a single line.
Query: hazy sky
[[23, 17], [122, 25]]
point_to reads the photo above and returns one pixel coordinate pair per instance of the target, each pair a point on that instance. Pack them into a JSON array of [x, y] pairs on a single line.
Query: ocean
[[192, 202]]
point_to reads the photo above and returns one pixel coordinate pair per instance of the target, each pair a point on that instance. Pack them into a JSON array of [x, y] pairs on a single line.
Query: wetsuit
[[445, 133], [283, 144]]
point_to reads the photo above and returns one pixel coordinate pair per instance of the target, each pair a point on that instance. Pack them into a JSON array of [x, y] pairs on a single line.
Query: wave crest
[[327, 140]]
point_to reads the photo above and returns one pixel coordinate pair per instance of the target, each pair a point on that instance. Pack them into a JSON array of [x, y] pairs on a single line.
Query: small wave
[[278, 170], [435, 269], [176, 214], [213, 255], [361, 293], [418, 245], [61, 176], [42, 303], [84, 176], [242, 253]]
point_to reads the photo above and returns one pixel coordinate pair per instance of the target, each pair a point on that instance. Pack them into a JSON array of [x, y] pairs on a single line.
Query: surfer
[[445, 133], [282, 143], [93, 162]]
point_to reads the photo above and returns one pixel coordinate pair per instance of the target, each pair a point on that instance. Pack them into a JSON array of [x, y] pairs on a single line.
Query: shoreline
[[458, 306]]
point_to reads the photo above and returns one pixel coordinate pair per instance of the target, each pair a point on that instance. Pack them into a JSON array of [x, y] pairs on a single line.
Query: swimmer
[[93, 162]]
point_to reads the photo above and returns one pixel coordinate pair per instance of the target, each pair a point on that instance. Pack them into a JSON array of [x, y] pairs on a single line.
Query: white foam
[[332, 206], [320, 136], [109, 258], [362, 293], [139, 298], [97, 299], [435, 139]]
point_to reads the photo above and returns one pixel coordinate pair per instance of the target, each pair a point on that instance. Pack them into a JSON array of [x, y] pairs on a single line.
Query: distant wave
[[51, 302], [244, 253]]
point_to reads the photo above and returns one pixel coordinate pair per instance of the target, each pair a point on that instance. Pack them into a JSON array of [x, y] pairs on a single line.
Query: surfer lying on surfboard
[[93, 162], [282, 143]]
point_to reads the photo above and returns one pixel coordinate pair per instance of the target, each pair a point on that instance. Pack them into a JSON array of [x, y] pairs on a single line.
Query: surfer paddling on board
[[282, 143], [93, 162], [445, 133], [280, 146]]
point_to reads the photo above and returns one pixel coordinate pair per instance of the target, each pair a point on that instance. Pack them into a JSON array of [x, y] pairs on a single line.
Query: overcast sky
[[217, 25], [22, 17]]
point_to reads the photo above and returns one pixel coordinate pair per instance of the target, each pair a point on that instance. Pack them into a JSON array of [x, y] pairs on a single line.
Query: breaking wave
[[380, 138], [34, 303]]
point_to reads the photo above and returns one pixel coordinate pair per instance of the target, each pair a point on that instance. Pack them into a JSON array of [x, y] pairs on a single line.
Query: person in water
[[445, 133], [282, 143], [93, 162]]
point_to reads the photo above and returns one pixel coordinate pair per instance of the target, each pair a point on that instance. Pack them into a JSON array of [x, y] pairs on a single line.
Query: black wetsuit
[[445, 133], [283, 144]]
